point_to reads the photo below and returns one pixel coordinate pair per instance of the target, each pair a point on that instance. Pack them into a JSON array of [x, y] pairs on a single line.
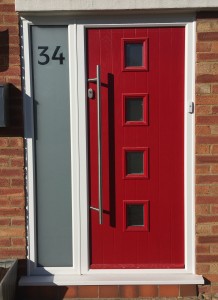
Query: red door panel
[[142, 113]]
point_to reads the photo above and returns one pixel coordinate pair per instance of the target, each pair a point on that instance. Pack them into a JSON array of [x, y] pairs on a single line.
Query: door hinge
[[191, 107]]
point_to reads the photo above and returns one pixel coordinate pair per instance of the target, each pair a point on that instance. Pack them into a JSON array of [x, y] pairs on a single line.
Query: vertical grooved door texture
[[161, 244]]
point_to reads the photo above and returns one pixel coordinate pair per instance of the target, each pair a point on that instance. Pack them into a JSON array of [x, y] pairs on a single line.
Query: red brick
[[202, 169], [12, 191], [89, 291], [4, 182], [207, 57], [17, 202], [206, 159], [214, 209], [214, 229], [203, 110], [207, 179], [5, 221], [3, 142], [188, 290], [11, 18], [202, 130], [15, 142], [213, 189], [17, 162], [11, 172], [207, 36], [203, 229], [214, 289], [202, 149], [215, 89], [17, 182], [213, 278], [11, 152], [13, 70], [207, 139], [16, 81], [202, 249], [148, 291], [206, 120], [14, 40], [5, 242], [4, 202], [207, 258], [214, 248], [202, 268], [208, 240], [202, 209], [18, 222], [215, 109], [14, 60], [204, 47], [18, 242], [70, 292], [168, 291], [214, 149], [12, 253], [208, 25], [11, 211], [202, 189], [108, 291], [206, 219], [205, 289], [129, 291], [12, 232], [7, 7], [205, 78], [207, 99], [207, 199], [214, 129], [13, 29], [4, 162]]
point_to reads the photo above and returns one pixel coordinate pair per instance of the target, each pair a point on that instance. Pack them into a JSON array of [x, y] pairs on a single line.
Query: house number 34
[[45, 58]]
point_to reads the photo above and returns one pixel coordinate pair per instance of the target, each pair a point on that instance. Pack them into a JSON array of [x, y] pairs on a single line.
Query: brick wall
[[207, 151], [12, 212], [12, 202]]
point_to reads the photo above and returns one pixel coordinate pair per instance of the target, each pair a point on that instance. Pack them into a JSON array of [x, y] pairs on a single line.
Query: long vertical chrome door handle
[[98, 81]]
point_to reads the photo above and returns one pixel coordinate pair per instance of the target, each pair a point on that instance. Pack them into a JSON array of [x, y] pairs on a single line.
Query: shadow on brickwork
[[14, 113], [4, 50]]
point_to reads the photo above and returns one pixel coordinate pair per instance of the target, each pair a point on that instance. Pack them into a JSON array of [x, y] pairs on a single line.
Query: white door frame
[[78, 87], [139, 21]]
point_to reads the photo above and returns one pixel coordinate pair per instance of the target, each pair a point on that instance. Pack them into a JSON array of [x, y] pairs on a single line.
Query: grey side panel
[[52, 145]]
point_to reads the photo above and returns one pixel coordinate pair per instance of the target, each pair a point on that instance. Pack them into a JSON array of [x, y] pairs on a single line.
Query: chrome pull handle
[[98, 81]]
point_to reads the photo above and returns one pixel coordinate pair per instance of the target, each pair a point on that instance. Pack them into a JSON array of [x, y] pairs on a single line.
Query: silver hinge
[[191, 107]]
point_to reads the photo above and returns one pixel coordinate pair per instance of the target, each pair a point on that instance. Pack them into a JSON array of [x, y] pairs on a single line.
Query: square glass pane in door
[[134, 109], [134, 215], [134, 162], [133, 54]]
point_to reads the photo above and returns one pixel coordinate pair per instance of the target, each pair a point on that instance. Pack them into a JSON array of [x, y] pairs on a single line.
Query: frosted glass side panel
[[52, 146]]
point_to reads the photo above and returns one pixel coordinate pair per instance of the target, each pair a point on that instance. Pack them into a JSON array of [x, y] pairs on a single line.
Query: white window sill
[[111, 279]]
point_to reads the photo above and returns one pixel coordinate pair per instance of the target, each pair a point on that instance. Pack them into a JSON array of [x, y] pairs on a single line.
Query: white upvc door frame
[[187, 21], [33, 269], [77, 26]]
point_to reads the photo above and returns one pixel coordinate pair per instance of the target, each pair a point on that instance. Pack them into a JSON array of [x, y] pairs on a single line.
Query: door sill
[[111, 279]]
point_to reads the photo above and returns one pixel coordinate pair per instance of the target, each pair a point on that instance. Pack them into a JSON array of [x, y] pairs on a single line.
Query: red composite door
[[142, 140]]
